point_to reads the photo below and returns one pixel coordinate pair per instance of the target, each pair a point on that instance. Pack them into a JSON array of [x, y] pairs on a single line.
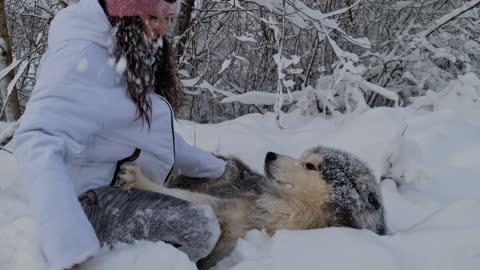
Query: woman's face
[[155, 27]]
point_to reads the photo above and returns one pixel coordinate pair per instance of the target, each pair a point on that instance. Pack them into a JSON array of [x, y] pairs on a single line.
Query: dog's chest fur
[[269, 212]]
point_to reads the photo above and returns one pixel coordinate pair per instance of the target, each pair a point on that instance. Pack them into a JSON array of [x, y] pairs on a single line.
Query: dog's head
[[294, 175], [353, 195]]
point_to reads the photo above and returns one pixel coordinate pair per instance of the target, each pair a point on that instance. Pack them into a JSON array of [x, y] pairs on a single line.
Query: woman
[[104, 95]]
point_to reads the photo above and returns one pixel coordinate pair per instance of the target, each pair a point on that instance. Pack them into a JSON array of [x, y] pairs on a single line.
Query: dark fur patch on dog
[[238, 181]]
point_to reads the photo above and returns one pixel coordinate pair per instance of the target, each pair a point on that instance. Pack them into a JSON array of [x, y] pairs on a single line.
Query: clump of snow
[[158, 43], [121, 65], [82, 65]]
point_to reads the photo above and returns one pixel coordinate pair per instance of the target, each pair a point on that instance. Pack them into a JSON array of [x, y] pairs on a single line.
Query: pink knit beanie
[[143, 7]]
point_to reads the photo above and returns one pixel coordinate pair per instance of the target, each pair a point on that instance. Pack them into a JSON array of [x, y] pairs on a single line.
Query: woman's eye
[[310, 166], [152, 18]]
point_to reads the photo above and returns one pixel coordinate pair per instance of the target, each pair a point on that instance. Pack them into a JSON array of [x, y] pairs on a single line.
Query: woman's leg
[[119, 215]]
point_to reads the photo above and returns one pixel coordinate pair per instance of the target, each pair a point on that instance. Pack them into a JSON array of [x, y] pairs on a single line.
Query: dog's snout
[[270, 156]]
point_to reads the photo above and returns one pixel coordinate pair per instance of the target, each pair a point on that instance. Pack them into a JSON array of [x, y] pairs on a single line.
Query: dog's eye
[[310, 166]]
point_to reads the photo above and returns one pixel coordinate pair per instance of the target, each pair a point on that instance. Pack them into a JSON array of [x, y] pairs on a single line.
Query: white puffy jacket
[[78, 123]]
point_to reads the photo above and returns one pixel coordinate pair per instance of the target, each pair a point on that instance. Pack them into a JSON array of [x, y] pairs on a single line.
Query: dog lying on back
[[325, 187]]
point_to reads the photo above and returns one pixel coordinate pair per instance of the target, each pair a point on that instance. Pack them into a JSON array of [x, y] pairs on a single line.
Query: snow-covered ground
[[432, 207]]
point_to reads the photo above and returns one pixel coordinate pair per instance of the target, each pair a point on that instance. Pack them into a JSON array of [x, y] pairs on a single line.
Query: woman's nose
[[156, 26], [161, 26]]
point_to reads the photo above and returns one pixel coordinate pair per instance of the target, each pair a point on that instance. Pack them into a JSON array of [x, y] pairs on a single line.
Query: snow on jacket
[[78, 123]]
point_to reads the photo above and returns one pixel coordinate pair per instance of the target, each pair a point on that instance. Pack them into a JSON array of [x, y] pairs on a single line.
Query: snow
[[158, 43], [431, 195], [143, 256], [82, 65], [246, 38], [225, 65], [121, 65], [7, 130]]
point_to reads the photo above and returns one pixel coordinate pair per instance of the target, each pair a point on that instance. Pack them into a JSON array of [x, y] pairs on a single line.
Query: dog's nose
[[270, 156]]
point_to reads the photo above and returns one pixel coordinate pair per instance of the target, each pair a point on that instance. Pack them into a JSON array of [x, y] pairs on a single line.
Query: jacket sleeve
[[58, 121], [194, 162]]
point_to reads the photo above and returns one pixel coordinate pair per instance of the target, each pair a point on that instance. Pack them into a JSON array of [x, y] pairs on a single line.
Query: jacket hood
[[85, 21]]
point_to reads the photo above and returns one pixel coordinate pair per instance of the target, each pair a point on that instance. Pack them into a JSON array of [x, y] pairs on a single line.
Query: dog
[[325, 187]]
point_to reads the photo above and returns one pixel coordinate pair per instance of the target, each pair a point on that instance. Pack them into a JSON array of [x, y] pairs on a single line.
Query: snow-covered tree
[[8, 97], [26, 40], [342, 56]]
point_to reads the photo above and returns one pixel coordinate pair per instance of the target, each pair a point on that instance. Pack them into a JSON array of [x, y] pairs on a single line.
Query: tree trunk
[[183, 24], [12, 112]]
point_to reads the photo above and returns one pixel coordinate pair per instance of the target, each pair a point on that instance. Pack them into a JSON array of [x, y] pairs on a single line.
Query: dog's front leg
[[131, 176]]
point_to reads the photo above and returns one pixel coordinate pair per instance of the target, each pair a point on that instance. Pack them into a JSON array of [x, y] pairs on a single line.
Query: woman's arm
[[57, 123], [195, 162]]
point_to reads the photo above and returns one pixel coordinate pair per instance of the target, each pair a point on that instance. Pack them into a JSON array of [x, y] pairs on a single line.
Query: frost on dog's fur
[[357, 199], [324, 187]]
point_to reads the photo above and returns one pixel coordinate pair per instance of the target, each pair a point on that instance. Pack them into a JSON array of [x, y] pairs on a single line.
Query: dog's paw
[[128, 175]]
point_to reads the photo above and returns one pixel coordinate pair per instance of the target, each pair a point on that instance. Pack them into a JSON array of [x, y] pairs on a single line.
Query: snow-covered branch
[[449, 17], [13, 83]]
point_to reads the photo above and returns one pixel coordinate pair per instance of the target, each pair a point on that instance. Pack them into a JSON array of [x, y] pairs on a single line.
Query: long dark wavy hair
[[150, 66]]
